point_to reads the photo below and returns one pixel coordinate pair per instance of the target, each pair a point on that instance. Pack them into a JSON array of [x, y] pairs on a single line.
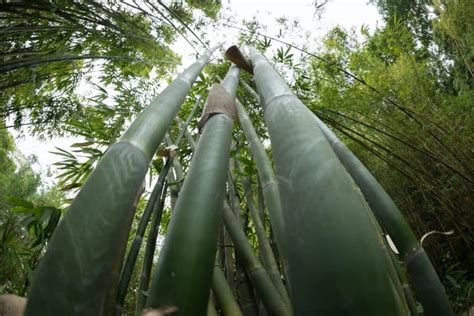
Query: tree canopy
[[400, 96]]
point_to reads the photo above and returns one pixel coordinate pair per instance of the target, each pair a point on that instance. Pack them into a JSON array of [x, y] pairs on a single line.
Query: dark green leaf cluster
[[29, 213]]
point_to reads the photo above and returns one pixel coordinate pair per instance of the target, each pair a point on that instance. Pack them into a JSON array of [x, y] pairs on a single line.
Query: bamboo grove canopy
[[328, 216]]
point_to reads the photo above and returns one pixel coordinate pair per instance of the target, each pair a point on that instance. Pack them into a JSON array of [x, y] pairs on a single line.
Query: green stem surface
[[336, 261], [79, 272]]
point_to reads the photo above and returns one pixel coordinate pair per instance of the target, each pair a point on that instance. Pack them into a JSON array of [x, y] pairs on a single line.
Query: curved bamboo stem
[[223, 293], [149, 253], [325, 214], [184, 272], [427, 284], [80, 270], [149, 209], [267, 256], [257, 274]]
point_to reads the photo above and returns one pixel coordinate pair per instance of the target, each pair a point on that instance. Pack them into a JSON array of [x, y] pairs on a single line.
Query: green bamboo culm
[[211, 309], [242, 283], [271, 193], [430, 290], [266, 252], [149, 253], [190, 139], [223, 293], [185, 266], [150, 207], [262, 283], [157, 214], [221, 289], [336, 264], [407, 292], [79, 272], [428, 287]]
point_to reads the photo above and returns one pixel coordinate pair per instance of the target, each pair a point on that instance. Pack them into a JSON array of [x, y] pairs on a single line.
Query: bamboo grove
[[322, 251]]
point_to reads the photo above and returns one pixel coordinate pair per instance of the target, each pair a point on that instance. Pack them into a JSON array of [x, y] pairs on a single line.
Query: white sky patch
[[346, 13]]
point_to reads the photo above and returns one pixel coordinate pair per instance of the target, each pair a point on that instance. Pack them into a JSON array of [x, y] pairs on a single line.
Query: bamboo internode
[[78, 275], [426, 282], [184, 272], [335, 247]]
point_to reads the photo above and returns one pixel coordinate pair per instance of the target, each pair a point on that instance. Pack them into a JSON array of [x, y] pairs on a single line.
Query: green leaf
[[71, 186], [85, 144], [16, 201]]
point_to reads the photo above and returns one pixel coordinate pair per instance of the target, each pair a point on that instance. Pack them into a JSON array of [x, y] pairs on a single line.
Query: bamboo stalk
[[184, 125], [246, 292], [150, 207], [243, 286], [229, 261], [79, 272], [404, 283], [392, 220], [271, 193], [261, 203], [190, 139], [426, 282], [265, 289], [149, 253], [211, 309], [268, 260], [224, 294], [184, 271], [333, 246]]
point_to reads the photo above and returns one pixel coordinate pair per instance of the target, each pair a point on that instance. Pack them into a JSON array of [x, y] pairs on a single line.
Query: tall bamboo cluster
[[327, 218], [80, 270]]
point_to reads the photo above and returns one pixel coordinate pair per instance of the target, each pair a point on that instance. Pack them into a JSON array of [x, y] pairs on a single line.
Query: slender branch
[[6, 67]]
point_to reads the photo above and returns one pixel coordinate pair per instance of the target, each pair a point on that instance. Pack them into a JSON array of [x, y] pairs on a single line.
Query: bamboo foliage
[[325, 214], [184, 271], [84, 282]]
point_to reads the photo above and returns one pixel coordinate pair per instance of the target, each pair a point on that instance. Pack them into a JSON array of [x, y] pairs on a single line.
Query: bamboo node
[[218, 101]]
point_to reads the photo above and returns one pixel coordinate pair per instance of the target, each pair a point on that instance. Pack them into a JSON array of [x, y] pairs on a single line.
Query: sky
[[345, 13]]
